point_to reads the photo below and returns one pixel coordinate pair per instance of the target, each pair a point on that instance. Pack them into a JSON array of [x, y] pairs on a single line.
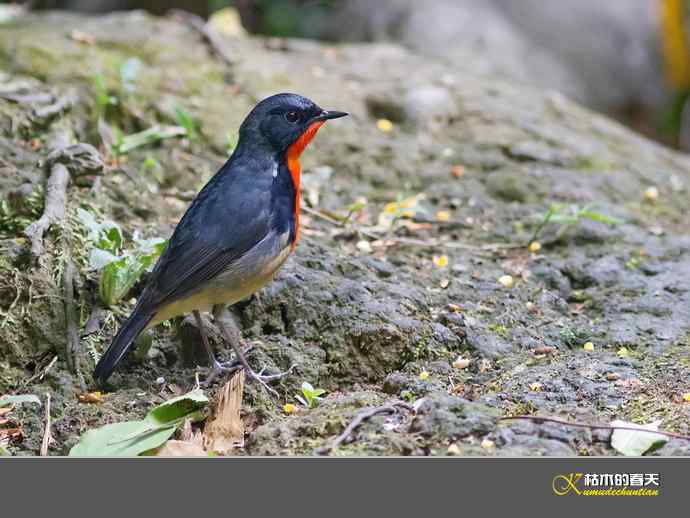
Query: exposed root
[[54, 211], [73, 348]]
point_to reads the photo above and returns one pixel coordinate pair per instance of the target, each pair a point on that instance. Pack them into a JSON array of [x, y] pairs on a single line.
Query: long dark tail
[[121, 343]]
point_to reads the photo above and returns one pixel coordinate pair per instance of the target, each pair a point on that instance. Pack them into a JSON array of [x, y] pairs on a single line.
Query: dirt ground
[[371, 313]]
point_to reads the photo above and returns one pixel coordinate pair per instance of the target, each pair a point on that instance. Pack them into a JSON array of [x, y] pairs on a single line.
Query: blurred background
[[629, 59]]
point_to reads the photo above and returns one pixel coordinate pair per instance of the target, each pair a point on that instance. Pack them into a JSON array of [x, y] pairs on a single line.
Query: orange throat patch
[[293, 154]]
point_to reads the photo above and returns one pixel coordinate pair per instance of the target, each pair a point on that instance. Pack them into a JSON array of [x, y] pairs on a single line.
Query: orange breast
[[293, 154]]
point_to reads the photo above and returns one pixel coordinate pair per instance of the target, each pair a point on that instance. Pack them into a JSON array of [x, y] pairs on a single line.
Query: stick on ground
[[364, 415]]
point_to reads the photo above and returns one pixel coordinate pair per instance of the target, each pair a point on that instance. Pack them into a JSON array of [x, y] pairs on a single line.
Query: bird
[[235, 235]]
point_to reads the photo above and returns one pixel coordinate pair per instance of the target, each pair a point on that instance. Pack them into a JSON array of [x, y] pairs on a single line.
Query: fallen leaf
[[175, 448], [224, 430], [91, 397], [636, 442], [462, 363], [457, 170]]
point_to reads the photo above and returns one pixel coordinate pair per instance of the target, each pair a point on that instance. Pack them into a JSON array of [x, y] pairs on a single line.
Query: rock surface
[[369, 320]]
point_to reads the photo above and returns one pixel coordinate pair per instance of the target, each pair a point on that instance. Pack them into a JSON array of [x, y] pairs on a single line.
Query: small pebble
[[364, 246], [506, 281], [651, 194], [462, 363], [488, 444], [453, 449], [534, 246], [160, 380], [612, 376], [588, 346]]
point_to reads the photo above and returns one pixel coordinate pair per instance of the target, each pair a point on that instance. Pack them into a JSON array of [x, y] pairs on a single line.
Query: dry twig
[[539, 419], [358, 420]]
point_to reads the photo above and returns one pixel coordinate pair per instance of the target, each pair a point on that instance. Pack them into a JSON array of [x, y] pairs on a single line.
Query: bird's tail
[[128, 332]]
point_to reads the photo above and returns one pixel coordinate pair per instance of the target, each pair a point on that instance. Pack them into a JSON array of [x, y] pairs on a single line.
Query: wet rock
[[487, 344], [445, 417]]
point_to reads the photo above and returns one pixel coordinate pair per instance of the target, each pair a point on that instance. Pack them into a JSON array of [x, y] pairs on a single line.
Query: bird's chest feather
[[285, 201]]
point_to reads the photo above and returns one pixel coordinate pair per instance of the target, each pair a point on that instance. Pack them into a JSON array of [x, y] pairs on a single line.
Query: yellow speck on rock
[[384, 125], [588, 346]]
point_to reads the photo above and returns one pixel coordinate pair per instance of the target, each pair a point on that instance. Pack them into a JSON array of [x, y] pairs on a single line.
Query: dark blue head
[[281, 120]]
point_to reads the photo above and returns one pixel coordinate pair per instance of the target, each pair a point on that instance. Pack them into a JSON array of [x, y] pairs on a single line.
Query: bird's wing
[[226, 220]]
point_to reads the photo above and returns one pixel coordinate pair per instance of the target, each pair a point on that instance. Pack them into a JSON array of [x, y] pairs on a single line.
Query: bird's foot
[[223, 368]]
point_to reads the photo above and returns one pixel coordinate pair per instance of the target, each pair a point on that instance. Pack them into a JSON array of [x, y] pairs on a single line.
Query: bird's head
[[285, 122]]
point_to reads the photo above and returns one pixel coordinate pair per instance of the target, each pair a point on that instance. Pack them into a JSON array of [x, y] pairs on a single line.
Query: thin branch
[[358, 420], [539, 419]]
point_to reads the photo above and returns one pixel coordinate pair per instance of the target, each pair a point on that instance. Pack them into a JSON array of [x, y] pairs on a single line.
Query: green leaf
[[151, 135], [307, 388], [185, 120], [98, 259], [135, 437], [636, 442], [318, 392], [120, 275], [598, 216], [19, 399], [126, 439]]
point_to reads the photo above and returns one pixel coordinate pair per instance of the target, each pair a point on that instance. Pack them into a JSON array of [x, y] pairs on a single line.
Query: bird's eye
[[292, 117]]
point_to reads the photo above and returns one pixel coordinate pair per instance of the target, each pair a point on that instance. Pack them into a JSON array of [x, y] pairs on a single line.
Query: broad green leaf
[[126, 439], [178, 407], [19, 399], [135, 437], [318, 392], [636, 442]]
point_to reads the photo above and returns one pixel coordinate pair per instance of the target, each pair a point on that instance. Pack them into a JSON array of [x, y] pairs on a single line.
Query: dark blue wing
[[229, 216]]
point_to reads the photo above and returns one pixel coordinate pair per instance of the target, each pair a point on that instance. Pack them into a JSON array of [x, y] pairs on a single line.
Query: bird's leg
[[216, 366], [234, 342]]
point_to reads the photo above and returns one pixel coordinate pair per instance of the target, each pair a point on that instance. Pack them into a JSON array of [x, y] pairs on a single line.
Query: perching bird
[[236, 233]]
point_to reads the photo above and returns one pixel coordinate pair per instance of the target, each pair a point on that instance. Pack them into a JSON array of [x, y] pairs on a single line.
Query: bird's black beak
[[329, 114]]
